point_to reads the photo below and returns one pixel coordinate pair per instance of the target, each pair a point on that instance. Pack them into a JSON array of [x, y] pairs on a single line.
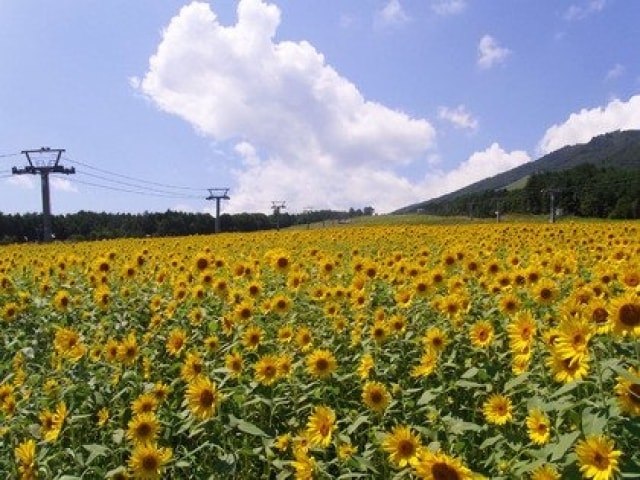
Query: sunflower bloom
[[51, 423], [497, 409], [628, 393], [538, 427], [320, 426], [25, 454], [321, 363], [427, 366], [440, 466], [376, 396], [176, 341], [521, 331], [202, 397], [143, 428], [266, 369], [234, 363], [366, 364], [481, 334], [545, 472], [147, 461], [303, 465], [402, 445], [597, 457], [626, 315]]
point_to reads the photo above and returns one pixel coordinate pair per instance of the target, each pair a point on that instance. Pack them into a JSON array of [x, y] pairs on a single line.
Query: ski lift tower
[[44, 161], [277, 206], [218, 194]]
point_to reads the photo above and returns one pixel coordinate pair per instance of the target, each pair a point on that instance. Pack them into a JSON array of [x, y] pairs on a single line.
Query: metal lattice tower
[[218, 194], [44, 161], [277, 206]]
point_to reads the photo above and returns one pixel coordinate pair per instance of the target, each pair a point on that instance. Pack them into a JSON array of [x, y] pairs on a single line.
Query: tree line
[[85, 225], [584, 191]]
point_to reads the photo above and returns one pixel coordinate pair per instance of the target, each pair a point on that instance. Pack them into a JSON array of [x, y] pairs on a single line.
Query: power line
[[140, 187], [137, 192], [138, 180]]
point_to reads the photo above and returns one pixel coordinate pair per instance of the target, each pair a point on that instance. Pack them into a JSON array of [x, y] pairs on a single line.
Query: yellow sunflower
[[252, 337], [538, 427], [143, 428], [402, 446], [497, 409], [545, 472], [481, 334], [625, 315], [597, 457], [440, 466], [320, 426], [202, 397], [321, 363], [25, 453], [628, 392], [376, 396], [234, 363], [266, 369], [148, 461], [192, 367], [176, 341]]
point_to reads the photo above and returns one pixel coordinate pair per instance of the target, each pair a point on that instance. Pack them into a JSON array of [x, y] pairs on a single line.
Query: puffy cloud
[[62, 184], [391, 15], [448, 7], [22, 181], [490, 52], [299, 127], [459, 117], [578, 12], [478, 166], [583, 126], [615, 72]]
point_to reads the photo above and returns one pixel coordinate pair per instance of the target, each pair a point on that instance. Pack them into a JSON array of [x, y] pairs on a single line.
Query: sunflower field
[[500, 351]]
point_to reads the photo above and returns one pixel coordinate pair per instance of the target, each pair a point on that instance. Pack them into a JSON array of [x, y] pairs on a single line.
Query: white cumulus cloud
[[490, 52], [459, 117], [584, 9], [448, 7], [587, 123], [478, 166], [303, 133], [391, 15]]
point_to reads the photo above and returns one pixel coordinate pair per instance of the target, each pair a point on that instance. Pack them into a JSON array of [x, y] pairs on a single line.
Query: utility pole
[[47, 161], [552, 201], [307, 215], [277, 206], [218, 194]]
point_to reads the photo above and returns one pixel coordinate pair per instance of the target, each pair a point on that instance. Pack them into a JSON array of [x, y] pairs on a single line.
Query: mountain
[[618, 149]]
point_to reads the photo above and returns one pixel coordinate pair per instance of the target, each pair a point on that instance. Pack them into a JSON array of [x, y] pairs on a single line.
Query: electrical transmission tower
[[277, 206], [218, 194], [47, 160]]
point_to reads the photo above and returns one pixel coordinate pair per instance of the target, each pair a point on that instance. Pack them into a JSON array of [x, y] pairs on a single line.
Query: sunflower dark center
[[630, 314], [206, 398], [150, 462], [442, 471]]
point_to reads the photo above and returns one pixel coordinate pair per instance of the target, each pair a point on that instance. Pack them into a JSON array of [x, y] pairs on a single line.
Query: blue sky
[[318, 103]]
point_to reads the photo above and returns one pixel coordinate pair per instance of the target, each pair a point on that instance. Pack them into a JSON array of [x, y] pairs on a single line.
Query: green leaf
[[566, 441], [358, 421], [514, 382], [592, 424], [250, 428], [472, 372], [426, 397], [564, 389], [94, 452], [490, 441]]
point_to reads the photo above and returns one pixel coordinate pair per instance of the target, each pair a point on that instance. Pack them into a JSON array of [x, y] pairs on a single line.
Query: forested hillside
[[598, 179]]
